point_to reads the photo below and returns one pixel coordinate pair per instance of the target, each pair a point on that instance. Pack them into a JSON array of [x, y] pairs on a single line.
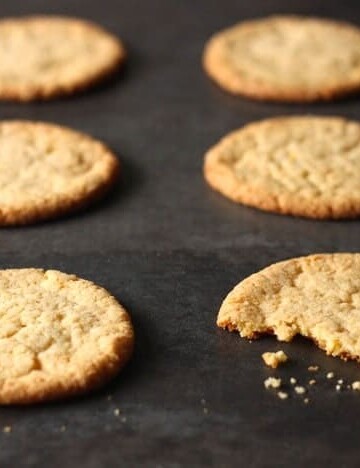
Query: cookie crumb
[[312, 382], [313, 368], [356, 385], [274, 359], [293, 381], [300, 390], [283, 395], [306, 401], [330, 375], [116, 411], [338, 387], [340, 381], [7, 429], [272, 382]]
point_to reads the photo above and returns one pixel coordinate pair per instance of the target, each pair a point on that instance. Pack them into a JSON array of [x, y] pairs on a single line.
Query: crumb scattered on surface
[[283, 395], [312, 382], [340, 381], [330, 375], [356, 385], [300, 390], [338, 387], [272, 382], [116, 411], [7, 429], [313, 368], [306, 400], [274, 359], [293, 380]]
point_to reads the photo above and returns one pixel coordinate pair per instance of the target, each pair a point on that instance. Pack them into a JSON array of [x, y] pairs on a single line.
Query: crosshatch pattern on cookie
[[304, 166]]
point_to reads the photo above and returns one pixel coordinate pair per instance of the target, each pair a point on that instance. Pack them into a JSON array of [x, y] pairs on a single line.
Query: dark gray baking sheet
[[170, 249]]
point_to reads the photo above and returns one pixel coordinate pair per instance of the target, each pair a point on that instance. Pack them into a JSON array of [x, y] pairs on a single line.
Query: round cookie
[[47, 171], [43, 57], [303, 166], [286, 58], [316, 296], [59, 336]]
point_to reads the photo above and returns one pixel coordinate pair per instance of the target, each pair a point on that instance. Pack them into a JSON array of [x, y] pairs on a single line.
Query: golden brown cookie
[[303, 166], [316, 296], [43, 57], [59, 336], [286, 58], [47, 171]]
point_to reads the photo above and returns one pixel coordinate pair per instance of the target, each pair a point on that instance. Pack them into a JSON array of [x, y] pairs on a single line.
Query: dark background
[[170, 249]]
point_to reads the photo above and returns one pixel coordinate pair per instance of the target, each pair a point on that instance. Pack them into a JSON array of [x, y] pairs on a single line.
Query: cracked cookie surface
[[59, 336], [316, 296], [47, 56], [286, 58], [302, 166], [47, 171]]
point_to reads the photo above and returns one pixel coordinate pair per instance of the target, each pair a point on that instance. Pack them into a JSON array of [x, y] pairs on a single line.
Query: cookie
[[47, 171], [303, 166], [59, 336], [43, 57], [286, 58], [316, 296]]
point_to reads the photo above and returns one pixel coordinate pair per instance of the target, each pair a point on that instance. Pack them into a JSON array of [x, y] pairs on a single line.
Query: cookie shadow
[[258, 109], [128, 183]]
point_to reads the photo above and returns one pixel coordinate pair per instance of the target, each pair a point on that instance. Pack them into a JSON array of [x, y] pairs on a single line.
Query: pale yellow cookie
[[303, 166], [47, 171], [316, 296], [42, 57], [59, 336], [286, 58]]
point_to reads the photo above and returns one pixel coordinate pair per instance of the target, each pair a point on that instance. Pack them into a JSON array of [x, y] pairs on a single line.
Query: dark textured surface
[[170, 249]]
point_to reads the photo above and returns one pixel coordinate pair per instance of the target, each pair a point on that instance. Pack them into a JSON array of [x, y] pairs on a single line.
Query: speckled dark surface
[[170, 249]]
